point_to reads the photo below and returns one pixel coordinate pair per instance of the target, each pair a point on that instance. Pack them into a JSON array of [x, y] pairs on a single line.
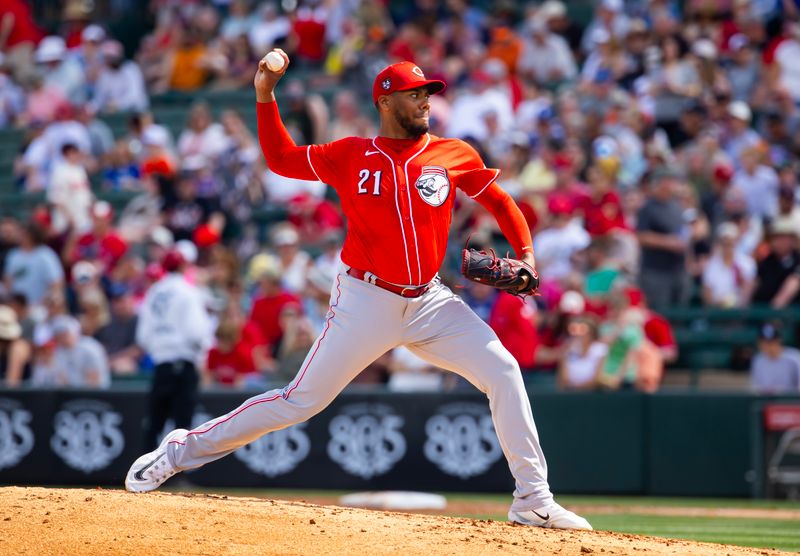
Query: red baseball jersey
[[397, 194], [398, 198]]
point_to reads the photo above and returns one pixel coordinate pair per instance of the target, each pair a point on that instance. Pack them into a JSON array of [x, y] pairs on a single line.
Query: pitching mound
[[40, 521]]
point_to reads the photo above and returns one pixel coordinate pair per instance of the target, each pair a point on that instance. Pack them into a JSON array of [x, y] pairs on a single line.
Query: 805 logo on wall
[[276, 453], [461, 440], [16, 436], [366, 439], [87, 435]]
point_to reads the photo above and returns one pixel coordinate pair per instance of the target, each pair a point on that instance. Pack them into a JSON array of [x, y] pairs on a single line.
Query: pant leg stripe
[[297, 383]]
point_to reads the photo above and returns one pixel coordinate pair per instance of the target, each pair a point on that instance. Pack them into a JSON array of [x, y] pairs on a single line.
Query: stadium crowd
[[654, 152]]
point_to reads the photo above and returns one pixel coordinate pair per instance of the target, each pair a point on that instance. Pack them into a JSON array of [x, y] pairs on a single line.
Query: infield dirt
[[42, 521]]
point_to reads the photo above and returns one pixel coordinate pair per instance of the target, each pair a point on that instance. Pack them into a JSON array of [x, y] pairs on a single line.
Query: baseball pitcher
[[397, 191]]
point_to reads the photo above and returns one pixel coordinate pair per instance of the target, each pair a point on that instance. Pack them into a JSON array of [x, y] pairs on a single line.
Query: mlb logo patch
[[386, 83]]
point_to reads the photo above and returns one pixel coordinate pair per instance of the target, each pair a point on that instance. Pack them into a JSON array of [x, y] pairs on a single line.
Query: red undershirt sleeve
[[282, 155], [509, 217]]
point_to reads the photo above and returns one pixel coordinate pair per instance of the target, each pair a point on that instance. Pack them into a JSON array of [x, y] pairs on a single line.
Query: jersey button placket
[[402, 185]]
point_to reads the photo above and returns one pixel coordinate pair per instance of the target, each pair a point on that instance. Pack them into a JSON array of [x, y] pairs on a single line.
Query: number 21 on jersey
[[363, 176]]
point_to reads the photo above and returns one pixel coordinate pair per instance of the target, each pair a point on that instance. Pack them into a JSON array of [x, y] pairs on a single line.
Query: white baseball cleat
[[149, 471], [552, 516]]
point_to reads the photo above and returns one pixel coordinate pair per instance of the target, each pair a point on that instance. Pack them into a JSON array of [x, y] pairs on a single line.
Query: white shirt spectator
[[760, 190], [468, 110], [33, 272], [787, 56], [266, 31], [581, 369], [12, 99], [780, 375], [209, 143], [120, 90], [548, 60], [70, 191], [281, 190], [726, 283], [412, 374], [554, 248], [173, 323]]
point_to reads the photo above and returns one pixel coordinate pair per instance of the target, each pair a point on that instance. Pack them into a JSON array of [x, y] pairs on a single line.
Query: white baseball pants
[[365, 322]]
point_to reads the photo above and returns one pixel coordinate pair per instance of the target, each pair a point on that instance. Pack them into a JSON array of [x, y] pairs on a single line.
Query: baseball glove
[[503, 273]]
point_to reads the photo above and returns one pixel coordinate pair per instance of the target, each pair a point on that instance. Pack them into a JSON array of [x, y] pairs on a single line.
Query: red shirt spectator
[[309, 29], [514, 322], [267, 309], [17, 16], [230, 366], [602, 214], [101, 243]]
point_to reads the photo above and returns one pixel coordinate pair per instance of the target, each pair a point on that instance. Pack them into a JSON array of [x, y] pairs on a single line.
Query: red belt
[[403, 291]]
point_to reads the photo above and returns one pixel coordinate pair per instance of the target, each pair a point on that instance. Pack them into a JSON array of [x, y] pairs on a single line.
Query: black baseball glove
[[511, 275]]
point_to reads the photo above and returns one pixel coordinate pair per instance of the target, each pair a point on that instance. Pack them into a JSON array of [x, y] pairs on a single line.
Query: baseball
[[274, 61]]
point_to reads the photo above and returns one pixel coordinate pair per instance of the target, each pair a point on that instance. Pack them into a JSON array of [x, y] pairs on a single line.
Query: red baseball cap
[[558, 204], [403, 76], [172, 261]]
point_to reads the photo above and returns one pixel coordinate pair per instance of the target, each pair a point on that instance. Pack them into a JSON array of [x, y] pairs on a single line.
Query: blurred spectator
[[100, 244], [19, 33], [43, 100], [93, 311], [662, 232], [89, 55], [775, 368], [70, 192], [583, 356], [188, 211], [347, 118], [120, 85], [238, 22], [294, 262], [33, 268], [740, 136], [230, 363], [12, 96], [515, 322], [782, 59], [203, 137], [610, 17], [60, 70], [270, 300], [623, 333], [306, 116], [296, 341], [409, 373], [187, 64], [157, 158], [77, 361], [269, 29], [558, 245], [758, 183], [778, 281], [729, 276], [236, 61], [546, 57], [174, 329], [19, 303], [308, 31], [743, 70], [15, 351], [118, 337]]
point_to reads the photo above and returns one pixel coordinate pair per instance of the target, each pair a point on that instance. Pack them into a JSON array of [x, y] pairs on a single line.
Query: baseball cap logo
[[418, 72], [386, 83]]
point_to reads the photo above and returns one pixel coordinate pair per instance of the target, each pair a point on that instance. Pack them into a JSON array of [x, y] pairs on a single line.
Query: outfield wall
[[611, 443]]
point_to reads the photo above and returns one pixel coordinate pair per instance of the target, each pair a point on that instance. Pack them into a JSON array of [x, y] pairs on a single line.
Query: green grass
[[762, 533]]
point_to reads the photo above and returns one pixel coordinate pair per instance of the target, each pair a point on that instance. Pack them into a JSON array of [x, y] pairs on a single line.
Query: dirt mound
[[40, 521]]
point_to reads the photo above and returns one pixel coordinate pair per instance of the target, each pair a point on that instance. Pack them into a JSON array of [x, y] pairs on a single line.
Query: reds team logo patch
[[433, 185], [418, 72]]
